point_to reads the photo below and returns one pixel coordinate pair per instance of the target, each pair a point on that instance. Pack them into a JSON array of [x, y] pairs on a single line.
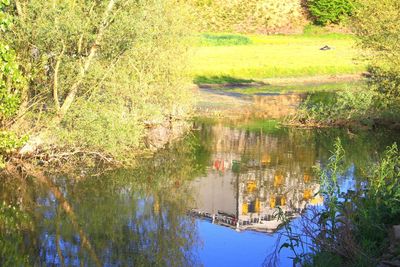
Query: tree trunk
[[19, 9], [75, 87]]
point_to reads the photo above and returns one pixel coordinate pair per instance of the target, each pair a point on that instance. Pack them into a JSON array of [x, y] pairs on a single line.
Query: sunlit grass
[[277, 56]]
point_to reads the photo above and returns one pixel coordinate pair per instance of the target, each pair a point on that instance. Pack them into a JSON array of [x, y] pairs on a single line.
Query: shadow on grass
[[224, 40], [221, 79]]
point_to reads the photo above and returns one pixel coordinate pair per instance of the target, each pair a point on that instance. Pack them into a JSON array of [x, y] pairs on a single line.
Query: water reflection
[[126, 218], [253, 173], [234, 176], [276, 105]]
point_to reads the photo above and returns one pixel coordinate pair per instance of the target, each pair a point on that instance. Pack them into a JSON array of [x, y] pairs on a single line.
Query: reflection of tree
[[127, 218], [138, 217]]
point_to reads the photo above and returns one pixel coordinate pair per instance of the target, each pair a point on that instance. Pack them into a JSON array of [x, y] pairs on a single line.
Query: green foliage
[[247, 15], [9, 142], [379, 206], [11, 79], [5, 18], [352, 226], [385, 82], [121, 63], [334, 107], [103, 126], [12, 84], [376, 26], [330, 11]]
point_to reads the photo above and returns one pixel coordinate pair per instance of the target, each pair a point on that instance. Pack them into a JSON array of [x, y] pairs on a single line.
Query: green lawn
[[224, 57]]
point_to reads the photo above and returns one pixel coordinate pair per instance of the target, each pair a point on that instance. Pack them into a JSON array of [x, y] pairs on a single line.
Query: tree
[[11, 80], [99, 69], [12, 87], [376, 25], [330, 11]]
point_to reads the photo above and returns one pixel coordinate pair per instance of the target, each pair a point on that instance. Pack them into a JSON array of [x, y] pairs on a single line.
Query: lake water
[[208, 200]]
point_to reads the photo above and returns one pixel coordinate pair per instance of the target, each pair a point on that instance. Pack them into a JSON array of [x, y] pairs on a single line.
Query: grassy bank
[[227, 58]]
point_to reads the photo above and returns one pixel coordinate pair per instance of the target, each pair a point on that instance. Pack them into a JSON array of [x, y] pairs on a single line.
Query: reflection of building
[[250, 176]]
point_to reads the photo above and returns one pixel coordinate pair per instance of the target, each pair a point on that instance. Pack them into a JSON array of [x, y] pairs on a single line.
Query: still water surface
[[208, 200]]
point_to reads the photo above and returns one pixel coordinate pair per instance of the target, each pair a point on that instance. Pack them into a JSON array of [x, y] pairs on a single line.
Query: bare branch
[[74, 89], [55, 84]]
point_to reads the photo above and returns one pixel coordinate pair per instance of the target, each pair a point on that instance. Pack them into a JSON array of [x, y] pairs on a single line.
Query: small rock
[[31, 146], [325, 48]]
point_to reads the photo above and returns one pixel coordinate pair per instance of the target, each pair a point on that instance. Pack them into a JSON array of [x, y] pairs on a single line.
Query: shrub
[[330, 11], [247, 15], [334, 107], [376, 24], [9, 143]]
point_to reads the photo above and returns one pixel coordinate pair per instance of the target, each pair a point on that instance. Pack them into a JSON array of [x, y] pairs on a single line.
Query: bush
[[9, 143], [247, 15], [330, 11], [376, 24], [337, 107]]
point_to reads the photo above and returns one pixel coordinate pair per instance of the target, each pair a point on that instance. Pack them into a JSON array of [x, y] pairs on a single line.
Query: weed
[[351, 228]]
